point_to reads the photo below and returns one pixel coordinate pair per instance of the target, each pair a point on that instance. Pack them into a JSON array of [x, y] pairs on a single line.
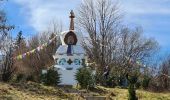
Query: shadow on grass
[[39, 89]]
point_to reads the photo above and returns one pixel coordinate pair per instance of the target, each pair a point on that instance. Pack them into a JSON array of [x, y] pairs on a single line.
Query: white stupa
[[70, 55]]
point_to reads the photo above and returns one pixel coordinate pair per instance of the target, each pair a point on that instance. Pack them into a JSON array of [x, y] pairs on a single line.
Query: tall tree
[[100, 19], [6, 47], [134, 49], [4, 27], [8, 69], [165, 74], [19, 39], [109, 43]]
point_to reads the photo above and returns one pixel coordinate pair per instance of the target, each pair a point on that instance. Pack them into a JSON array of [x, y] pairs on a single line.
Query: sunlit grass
[[35, 91], [122, 94]]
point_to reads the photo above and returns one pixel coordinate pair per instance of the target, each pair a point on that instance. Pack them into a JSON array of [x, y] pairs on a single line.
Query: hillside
[[122, 94], [30, 91], [34, 91]]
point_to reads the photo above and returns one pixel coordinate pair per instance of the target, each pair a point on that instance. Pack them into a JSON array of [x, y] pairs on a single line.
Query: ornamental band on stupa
[[70, 55]]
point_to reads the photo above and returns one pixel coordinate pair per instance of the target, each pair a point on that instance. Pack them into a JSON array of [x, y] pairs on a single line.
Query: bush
[[145, 82], [138, 84], [132, 80], [52, 77], [132, 92], [30, 78], [20, 77], [100, 79], [110, 82], [85, 78]]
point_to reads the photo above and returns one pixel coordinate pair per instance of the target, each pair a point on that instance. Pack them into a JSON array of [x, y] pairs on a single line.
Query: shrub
[[30, 78], [145, 82], [138, 84], [20, 77], [52, 77], [85, 78], [100, 79], [132, 80], [110, 82], [132, 92]]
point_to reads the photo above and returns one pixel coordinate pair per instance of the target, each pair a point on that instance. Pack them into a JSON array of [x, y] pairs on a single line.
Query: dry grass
[[122, 94], [31, 91], [35, 91]]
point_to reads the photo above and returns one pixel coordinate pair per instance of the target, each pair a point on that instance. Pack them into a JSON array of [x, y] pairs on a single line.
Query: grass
[[122, 94], [35, 91], [30, 91]]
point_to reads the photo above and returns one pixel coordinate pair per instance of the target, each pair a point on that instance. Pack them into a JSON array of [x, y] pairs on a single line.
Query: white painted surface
[[77, 49], [62, 59], [68, 77]]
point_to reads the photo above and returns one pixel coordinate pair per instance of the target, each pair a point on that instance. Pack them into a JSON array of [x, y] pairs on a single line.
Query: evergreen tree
[[132, 80], [51, 78], [19, 39], [85, 78]]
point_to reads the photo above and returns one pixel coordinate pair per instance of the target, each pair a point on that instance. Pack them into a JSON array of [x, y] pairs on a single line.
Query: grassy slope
[[34, 91], [122, 94], [30, 91]]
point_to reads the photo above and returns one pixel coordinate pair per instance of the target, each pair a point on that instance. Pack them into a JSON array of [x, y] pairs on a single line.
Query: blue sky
[[33, 16]]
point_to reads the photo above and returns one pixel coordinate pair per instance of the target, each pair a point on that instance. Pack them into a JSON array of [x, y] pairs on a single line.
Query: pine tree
[[19, 39], [51, 78], [132, 79]]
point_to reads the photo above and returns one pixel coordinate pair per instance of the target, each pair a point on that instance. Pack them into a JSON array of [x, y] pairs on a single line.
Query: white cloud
[[146, 6], [146, 12], [152, 15], [40, 13]]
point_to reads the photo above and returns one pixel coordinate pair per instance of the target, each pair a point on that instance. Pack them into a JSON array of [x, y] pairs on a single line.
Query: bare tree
[[4, 27], [42, 59], [134, 50], [6, 47], [100, 19], [164, 74], [109, 43], [8, 69]]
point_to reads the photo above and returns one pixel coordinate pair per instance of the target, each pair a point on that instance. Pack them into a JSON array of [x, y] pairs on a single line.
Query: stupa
[[70, 55]]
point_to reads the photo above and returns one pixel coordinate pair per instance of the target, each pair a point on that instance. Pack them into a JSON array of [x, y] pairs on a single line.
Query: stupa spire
[[72, 16]]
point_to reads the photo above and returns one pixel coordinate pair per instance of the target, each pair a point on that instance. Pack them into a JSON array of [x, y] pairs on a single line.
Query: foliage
[[145, 82], [20, 77], [8, 69], [42, 59], [85, 78], [30, 78], [111, 82], [111, 44], [52, 77], [19, 40], [4, 27], [132, 93], [101, 43], [100, 79], [138, 84], [165, 73], [131, 88]]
